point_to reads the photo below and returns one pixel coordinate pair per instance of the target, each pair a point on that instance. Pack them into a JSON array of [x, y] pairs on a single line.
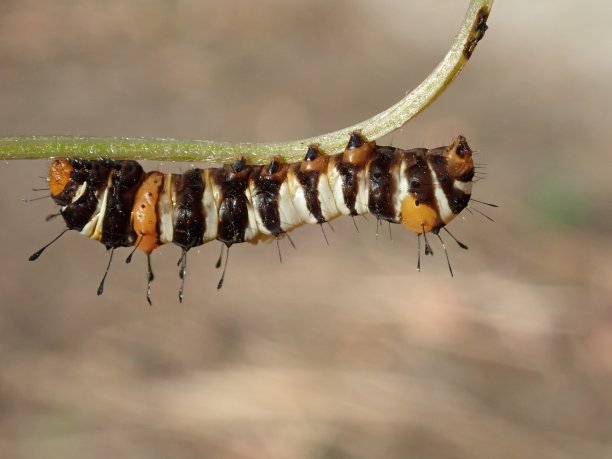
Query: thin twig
[[45, 147]]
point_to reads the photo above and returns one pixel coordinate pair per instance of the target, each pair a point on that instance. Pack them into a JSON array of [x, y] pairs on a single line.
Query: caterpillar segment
[[120, 205]]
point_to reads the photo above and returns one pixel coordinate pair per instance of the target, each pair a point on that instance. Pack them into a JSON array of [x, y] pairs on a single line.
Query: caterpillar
[[121, 205]]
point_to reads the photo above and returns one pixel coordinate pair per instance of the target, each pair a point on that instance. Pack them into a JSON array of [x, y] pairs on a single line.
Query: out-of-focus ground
[[343, 351]]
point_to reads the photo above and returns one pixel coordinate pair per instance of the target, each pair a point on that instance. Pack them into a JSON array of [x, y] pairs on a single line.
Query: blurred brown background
[[342, 351]]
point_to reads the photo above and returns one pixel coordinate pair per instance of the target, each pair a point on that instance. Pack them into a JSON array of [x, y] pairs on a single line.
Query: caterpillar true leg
[[437, 233]]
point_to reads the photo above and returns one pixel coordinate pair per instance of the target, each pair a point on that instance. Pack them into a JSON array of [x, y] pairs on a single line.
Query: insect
[[120, 205]]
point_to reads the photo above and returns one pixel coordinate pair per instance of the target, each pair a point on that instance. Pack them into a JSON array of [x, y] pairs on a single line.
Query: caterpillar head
[[59, 176], [440, 186], [67, 177]]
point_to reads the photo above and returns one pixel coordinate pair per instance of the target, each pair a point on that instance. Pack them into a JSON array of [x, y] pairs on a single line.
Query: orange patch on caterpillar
[[358, 156], [418, 217], [144, 212], [315, 160], [59, 176]]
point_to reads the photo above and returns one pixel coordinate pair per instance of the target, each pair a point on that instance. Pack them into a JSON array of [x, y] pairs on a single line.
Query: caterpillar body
[[121, 205]]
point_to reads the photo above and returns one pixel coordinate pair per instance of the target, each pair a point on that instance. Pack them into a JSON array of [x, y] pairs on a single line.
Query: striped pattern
[[120, 205]]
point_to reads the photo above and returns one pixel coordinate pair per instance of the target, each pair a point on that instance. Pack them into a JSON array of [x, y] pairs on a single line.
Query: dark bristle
[[240, 164], [419, 252], [290, 241], [428, 250], [481, 213], [459, 243], [324, 235], [312, 153], [150, 278], [273, 166], [35, 199], [280, 257], [485, 203], [110, 260], [445, 253], [129, 257], [37, 254], [182, 274], [218, 263], [220, 284], [50, 217], [356, 140]]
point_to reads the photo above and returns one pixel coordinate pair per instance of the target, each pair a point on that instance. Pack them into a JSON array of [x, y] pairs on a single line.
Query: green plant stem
[[45, 147]]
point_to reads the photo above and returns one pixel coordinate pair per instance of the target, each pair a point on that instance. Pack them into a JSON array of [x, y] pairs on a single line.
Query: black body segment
[[126, 177], [265, 185], [383, 174], [188, 216], [309, 181], [233, 208], [350, 184]]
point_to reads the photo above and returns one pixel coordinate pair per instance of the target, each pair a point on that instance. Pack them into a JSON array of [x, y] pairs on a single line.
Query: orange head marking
[[59, 176]]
